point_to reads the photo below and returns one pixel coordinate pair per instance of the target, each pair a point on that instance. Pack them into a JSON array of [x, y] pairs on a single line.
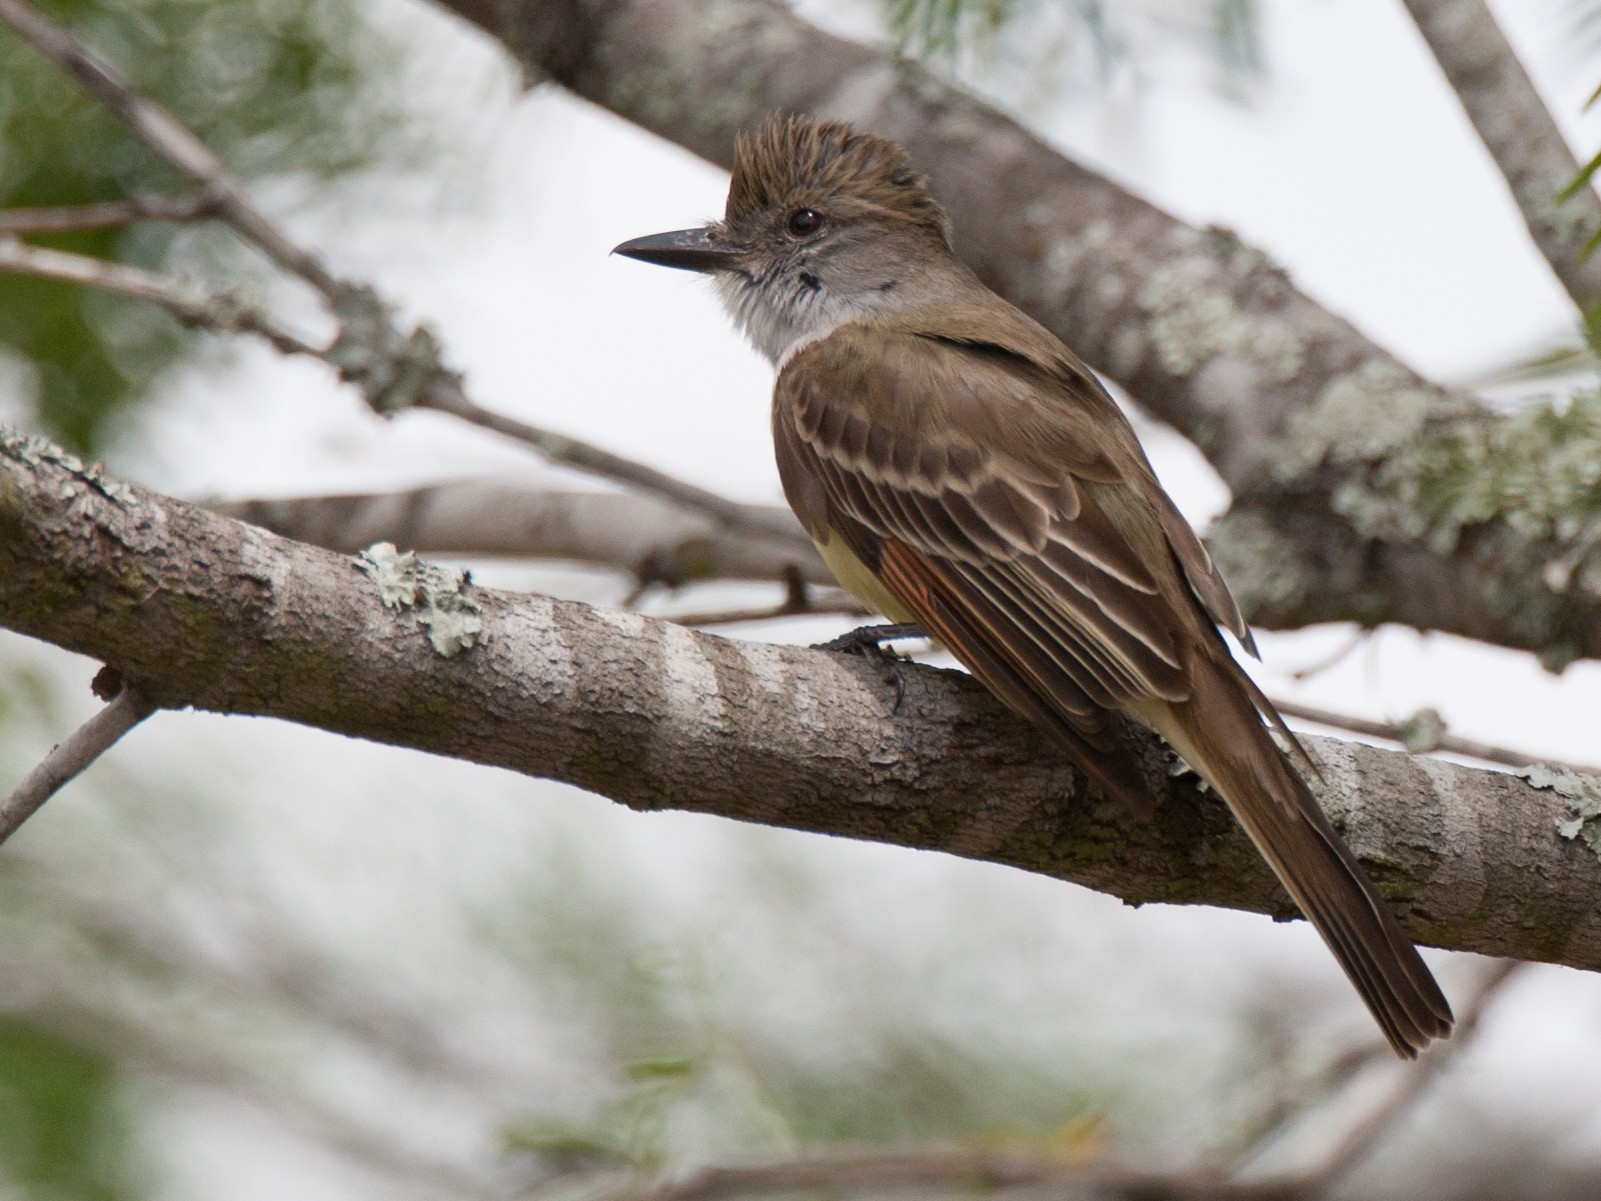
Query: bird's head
[[824, 224]]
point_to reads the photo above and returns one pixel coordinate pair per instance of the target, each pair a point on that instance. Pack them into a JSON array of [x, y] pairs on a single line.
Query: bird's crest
[[793, 161]]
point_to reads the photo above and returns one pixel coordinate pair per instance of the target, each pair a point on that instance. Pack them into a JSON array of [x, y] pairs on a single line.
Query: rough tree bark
[[200, 610], [1360, 488]]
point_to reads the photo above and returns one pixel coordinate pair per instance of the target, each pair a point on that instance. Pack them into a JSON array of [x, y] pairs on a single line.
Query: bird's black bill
[[687, 249]]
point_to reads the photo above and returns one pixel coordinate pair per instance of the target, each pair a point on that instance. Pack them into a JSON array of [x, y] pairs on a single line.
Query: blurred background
[[248, 960]]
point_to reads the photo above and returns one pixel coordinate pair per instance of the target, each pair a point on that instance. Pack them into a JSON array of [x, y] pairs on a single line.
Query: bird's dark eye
[[803, 222]]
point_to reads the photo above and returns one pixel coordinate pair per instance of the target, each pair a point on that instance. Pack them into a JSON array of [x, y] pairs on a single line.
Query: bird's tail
[[1219, 732]]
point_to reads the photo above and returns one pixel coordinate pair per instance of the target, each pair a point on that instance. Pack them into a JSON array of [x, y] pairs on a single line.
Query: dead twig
[[100, 216], [1422, 733], [126, 709], [191, 305]]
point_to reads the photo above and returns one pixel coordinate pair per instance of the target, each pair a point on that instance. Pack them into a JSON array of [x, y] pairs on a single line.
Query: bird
[[958, 467]]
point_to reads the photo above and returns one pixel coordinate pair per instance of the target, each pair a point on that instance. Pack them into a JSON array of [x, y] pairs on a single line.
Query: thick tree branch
[[1352, 499], [209, 612], [653, 539], [660, 543], [1521, 136]]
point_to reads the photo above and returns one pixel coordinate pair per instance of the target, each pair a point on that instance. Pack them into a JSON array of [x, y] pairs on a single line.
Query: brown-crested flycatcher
[[960, 468]]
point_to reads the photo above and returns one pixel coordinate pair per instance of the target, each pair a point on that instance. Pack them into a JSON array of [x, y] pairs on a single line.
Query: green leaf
[[63, 1133], [1581, 180]]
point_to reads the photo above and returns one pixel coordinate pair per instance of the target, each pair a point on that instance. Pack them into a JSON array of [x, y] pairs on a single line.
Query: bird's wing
[[998, 515]]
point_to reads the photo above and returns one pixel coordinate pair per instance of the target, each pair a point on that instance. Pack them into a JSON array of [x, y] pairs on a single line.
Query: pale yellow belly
[[855, 578]]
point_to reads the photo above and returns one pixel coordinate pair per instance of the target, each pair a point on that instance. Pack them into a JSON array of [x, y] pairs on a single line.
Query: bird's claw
[[870, 640]]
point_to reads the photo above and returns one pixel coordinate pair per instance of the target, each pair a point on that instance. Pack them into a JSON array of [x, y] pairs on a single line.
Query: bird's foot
[[869, 641], [872, 638]]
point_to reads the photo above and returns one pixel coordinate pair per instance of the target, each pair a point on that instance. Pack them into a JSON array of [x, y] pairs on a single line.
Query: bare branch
[[444, 394], [947, 1170], [99, 216], [655, 541], [798, 600], [208, 612], [394, 369], [191, 305], [1521, 136], [81, 748], [1422, 734]]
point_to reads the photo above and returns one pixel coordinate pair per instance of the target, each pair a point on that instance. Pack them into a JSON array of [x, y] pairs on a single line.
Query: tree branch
[[1423, 733], [99, 216], [1352, 499], [651, 538], [191, 305], [168, 137], [945, 1170], [209, 612], [394, 368], [1521, 136], [126, 709]]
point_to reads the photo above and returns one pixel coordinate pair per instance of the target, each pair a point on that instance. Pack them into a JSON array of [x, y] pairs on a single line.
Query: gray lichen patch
[[452, 619], [32, 450], [1583, 795], [1266, 570], [1538, 469], [1436, 473], [1194, 318], [389, 365], [1564, 222], [1367, 414]]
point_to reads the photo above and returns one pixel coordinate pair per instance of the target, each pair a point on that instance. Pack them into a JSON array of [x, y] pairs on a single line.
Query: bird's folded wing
[[958, 460]]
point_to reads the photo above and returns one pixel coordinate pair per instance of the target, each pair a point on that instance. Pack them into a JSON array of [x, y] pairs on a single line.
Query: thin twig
[[843, 606], [169, 138], [81, 748], [1333, 658], [948, 1170], [1422, 734], [445, 395], [191, 305], [100, 216]]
